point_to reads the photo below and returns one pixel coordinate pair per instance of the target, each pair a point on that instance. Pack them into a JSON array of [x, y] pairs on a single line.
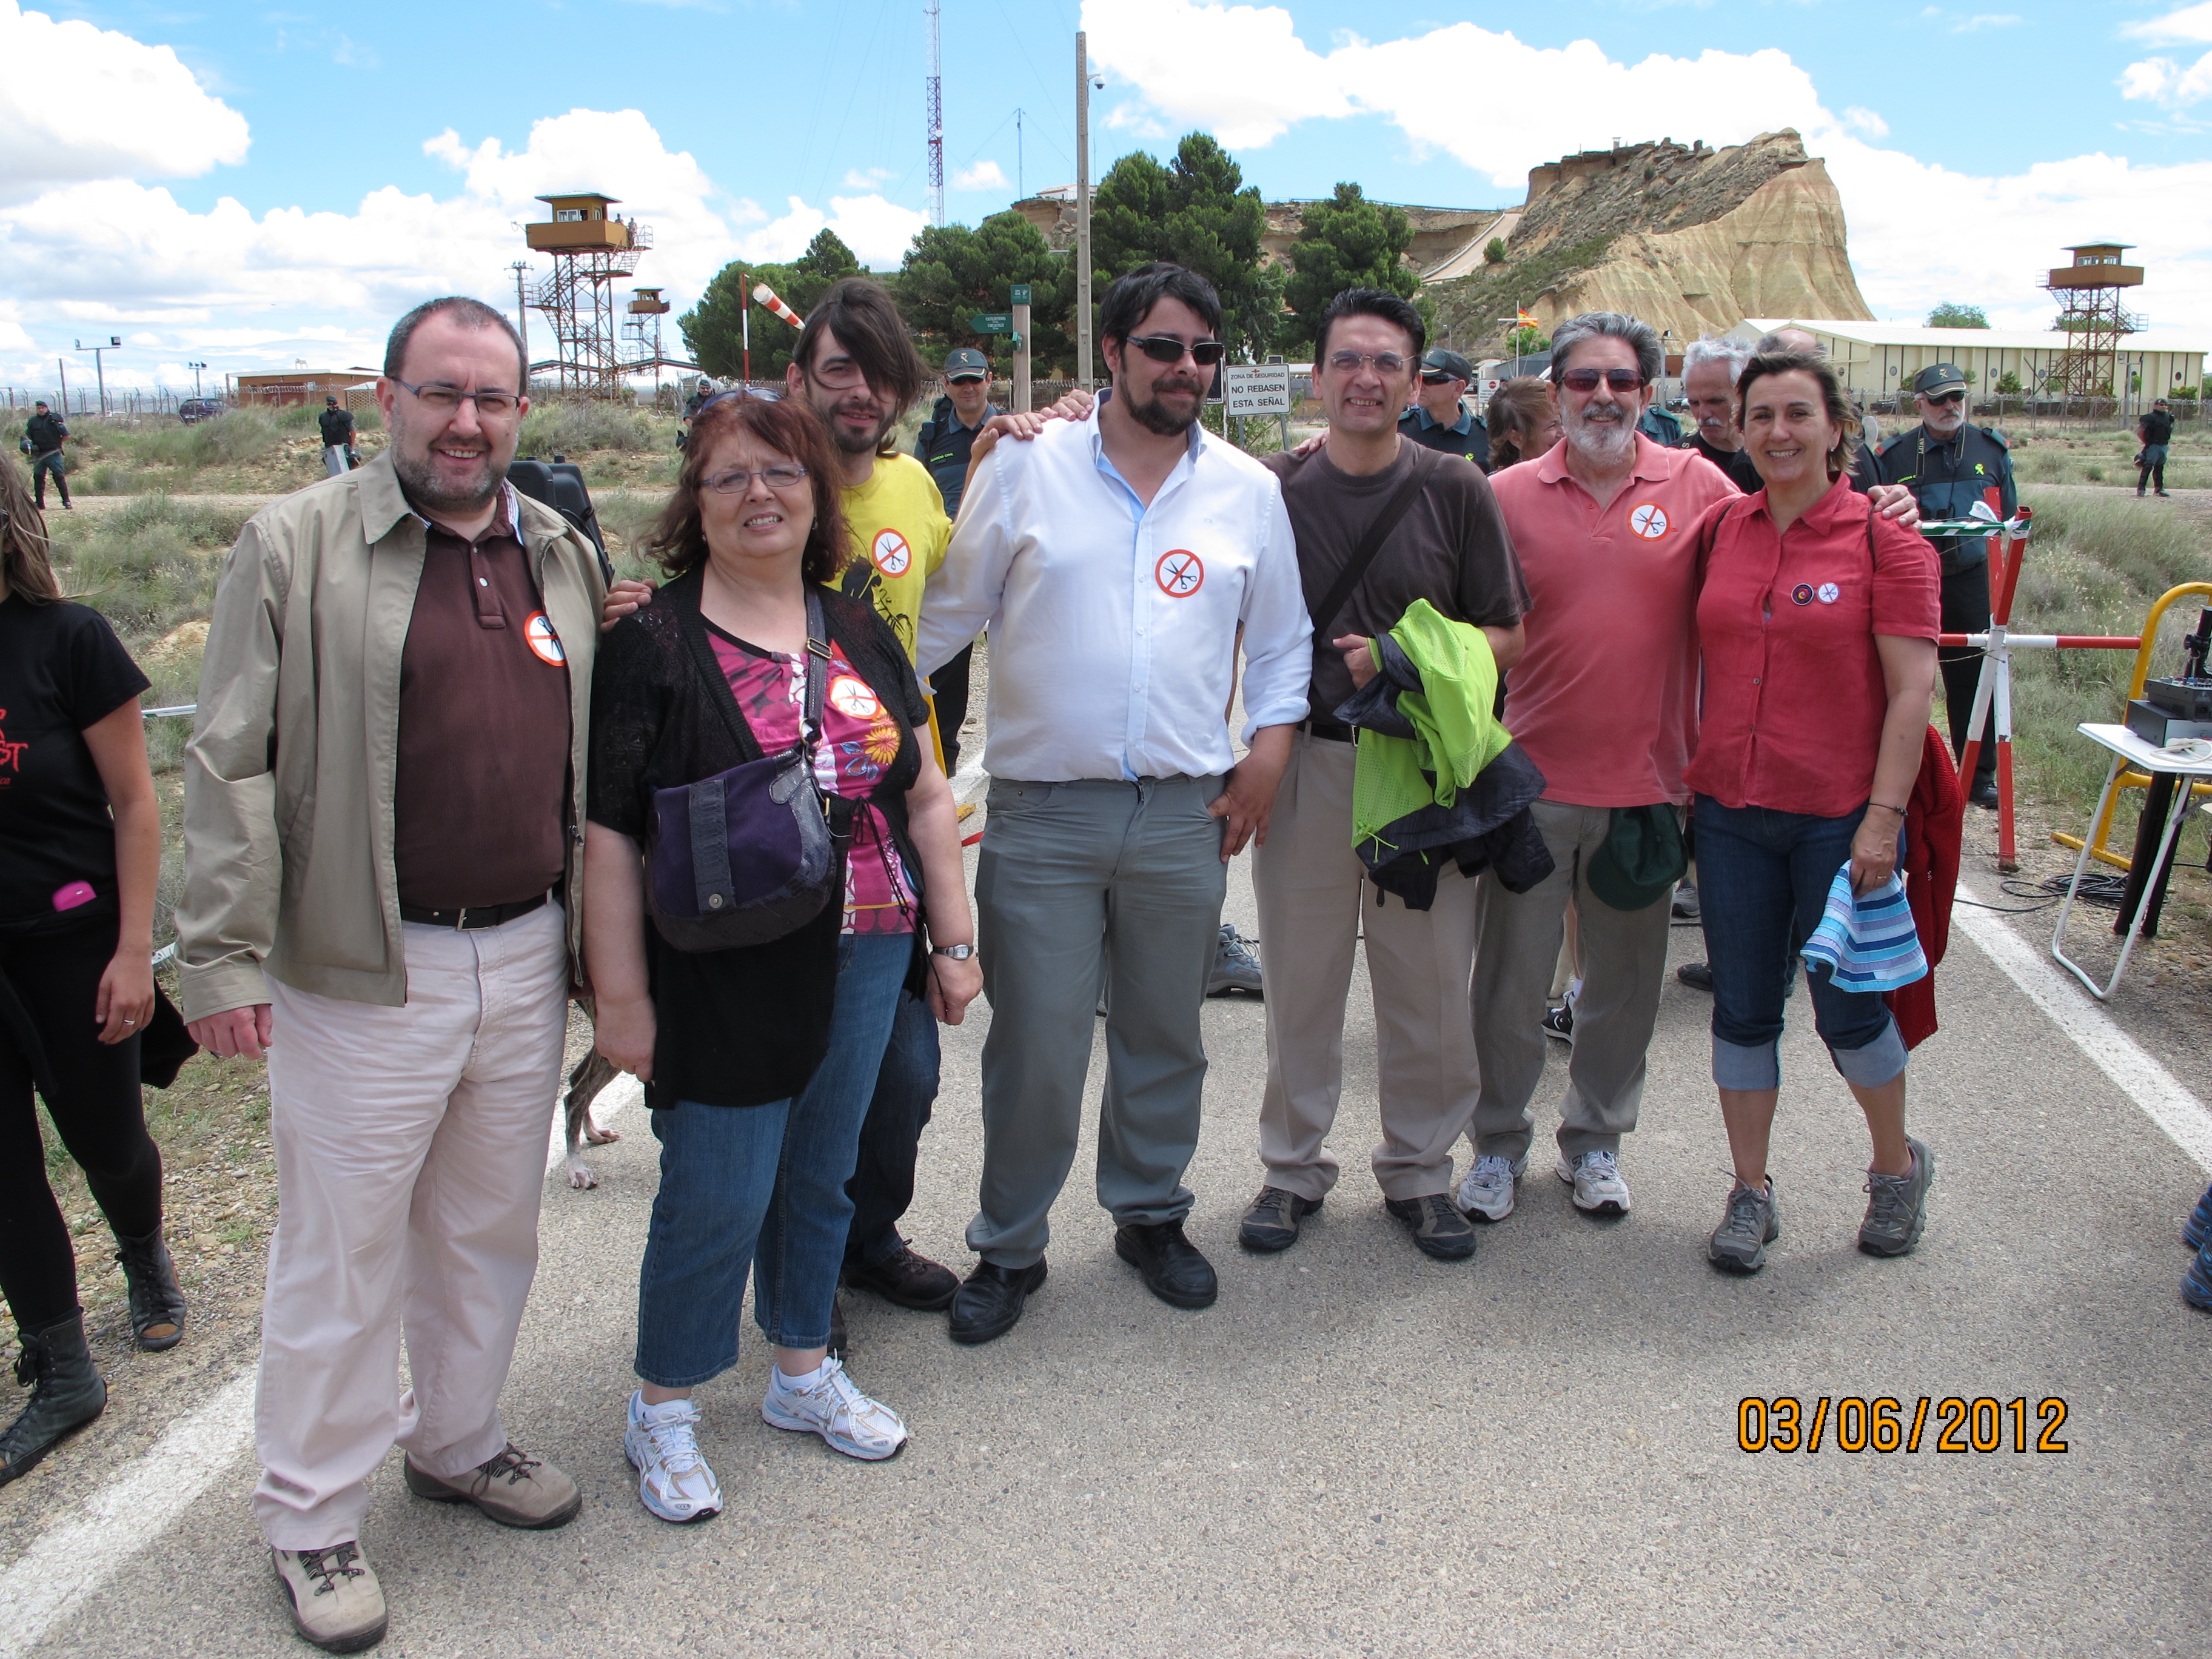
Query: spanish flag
[[1522, 319]]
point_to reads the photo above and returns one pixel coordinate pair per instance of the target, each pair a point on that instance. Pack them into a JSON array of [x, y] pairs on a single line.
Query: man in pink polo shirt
[[1605, 703]]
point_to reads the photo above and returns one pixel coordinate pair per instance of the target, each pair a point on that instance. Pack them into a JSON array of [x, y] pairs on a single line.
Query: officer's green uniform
[[1466, 437], [1948, 476]]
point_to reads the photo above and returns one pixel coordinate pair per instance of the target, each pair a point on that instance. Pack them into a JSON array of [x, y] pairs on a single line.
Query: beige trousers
[[1314, 904], [410, 1154]]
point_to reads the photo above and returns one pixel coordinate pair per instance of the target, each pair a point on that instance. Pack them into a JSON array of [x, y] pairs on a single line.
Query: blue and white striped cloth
[[1866, 944]]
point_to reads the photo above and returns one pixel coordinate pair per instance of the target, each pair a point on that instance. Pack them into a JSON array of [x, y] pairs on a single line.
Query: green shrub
[[570, 426]]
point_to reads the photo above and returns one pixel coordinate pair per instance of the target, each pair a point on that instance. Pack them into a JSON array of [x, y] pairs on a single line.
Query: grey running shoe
[[1439, 1230], [1487, 1194], [1595, 1177], [1754, 1221], [1271, 1220], [1897, 1205], [1235, 965], [1559, 1023], [335, 1599], [1686, 902]]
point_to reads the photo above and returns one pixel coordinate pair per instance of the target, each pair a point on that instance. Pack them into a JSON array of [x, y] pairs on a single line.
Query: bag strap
[[1347, 580], [700, 653]]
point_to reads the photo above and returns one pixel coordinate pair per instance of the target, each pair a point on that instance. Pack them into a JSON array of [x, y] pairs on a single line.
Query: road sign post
[[992, 322], [1255, 389], [1023, 394]]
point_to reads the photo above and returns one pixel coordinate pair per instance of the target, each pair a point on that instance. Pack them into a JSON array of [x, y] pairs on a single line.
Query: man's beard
[[1154, 416], [420, 479], [850, 442], [1601, 441]]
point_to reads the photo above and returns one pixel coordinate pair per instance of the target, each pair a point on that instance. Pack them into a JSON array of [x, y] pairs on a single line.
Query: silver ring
[[130, 1022]]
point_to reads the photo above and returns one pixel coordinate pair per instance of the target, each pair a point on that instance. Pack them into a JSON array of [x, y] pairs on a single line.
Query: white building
[[1879, 360]]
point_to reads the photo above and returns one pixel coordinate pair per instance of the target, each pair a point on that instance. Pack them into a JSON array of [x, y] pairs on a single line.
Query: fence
[[83, 402]]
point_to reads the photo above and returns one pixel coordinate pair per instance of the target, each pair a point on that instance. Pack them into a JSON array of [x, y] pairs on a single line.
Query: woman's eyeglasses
[[1586, 380], [1164, 349], [739, 480], [758, 394]]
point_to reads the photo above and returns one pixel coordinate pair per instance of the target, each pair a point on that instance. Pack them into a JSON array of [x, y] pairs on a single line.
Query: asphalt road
[[1359, 1450]]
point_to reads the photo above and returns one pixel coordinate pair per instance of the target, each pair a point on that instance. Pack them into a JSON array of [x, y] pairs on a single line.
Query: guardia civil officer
[[1439, 418], [1949, 463], [942, 446]]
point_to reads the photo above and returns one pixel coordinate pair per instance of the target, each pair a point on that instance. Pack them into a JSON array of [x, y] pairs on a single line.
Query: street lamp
[[99, 369], [195, 368]]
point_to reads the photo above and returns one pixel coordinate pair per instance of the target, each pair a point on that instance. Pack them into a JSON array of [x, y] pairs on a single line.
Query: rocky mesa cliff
[[1691, 240]]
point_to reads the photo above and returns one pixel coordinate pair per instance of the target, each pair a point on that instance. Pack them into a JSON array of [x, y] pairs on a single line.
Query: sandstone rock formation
[[1691, 240]]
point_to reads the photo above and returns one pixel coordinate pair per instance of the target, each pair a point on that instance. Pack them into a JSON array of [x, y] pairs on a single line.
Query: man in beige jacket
[[383, 803]]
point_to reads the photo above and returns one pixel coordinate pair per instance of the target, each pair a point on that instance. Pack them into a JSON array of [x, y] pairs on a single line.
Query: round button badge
[[544, 644], [1647, 520], [890, 553], [853, 698], [1830, 592], [1180, 573], [1802, 594]]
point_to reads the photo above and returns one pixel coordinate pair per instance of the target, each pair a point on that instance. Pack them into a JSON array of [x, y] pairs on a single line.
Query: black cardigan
[[746, 1026]]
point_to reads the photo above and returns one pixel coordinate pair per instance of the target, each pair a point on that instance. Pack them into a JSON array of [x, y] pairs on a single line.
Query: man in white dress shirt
[[1114, 561]]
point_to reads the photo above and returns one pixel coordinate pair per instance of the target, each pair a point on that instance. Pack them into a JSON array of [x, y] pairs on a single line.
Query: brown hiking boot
[[514, 1489]]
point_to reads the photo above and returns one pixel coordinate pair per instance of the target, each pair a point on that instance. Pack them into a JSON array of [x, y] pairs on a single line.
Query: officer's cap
[[967, 363], [1937, 379], [1445, 365]]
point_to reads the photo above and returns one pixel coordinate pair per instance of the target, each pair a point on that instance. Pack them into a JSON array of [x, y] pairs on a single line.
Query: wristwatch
[[957, 952]]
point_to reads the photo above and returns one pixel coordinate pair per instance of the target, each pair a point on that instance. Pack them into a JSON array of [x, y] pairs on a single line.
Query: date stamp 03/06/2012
[[1883, 1424]]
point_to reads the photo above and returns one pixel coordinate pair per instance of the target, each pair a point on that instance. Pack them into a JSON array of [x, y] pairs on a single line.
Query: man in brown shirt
[[1451, 549], [381, 806]]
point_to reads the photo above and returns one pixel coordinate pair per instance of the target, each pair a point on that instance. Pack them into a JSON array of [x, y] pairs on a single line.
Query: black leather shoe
[[66, 1394], [990, 1303], [1984, 794], [157, 1305], [908, 1279], [1173, 1269]]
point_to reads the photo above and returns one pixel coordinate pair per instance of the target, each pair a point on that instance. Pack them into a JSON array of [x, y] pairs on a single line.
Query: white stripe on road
[[76, 1557], [2117, 1055]]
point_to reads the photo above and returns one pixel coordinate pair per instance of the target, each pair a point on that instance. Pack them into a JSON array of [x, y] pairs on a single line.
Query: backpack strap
[[1426, 462]]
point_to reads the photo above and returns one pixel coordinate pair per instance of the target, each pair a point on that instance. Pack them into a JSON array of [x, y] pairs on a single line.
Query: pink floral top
[[859, 739]]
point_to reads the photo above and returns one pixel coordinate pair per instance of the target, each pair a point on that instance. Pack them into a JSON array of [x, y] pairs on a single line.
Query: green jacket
[[1456, 734]]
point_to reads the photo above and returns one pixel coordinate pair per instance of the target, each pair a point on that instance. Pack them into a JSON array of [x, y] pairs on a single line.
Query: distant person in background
[[80, 857], [337, 438], [1951, 467], [946, 439], [1439, 418], [1524, 418], [45, 433], [2156, 431], [1709, 370]]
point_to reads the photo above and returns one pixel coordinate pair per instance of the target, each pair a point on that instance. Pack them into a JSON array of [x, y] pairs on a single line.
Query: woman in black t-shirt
[[80, 854]]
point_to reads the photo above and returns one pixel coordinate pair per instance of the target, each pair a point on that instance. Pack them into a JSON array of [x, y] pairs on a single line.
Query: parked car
[[199, 409]]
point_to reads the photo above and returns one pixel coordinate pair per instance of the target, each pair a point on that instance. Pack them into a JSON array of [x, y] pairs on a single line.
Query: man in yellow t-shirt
[[894, 517]]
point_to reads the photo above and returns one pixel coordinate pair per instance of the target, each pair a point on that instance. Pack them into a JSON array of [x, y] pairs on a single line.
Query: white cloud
[[1986, 20], [2007, 226], [877, 230], [1861, 119], [2192, 24], [984, 175], [79, 103], [867, 178], [2162, 81]]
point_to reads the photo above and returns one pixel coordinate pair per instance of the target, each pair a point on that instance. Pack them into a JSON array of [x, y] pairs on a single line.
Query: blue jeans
[[882, 1187], [1763, 880], [762, 1187]]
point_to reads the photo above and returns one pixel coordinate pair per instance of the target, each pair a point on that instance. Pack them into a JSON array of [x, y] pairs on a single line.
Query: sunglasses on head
[[1164, 349], [1586, 380], [1945, 397]]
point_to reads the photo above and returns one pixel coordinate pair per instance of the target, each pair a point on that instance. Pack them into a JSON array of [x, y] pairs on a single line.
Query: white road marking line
[[76, 1557], [2160, 1095]]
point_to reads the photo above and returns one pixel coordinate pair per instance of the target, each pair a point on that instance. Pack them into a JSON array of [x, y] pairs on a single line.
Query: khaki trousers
[[1624, 967], [1314, 904], [410, 1155]]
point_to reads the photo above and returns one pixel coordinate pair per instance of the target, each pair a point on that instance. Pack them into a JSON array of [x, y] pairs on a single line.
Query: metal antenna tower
[[936, 116]]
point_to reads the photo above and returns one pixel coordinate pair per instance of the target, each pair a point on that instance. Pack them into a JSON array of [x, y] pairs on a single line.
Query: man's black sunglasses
[[1161, 349]]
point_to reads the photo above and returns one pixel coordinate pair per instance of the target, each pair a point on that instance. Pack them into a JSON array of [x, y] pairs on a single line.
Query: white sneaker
[[1597, 1180], [1487, 1194], [833, 1408], [673, 1479]]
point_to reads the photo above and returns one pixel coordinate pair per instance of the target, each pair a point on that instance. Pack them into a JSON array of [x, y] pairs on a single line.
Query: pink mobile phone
[[76, 893]]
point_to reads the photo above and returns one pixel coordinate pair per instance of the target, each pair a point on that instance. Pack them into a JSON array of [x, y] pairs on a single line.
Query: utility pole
[[746, 326], [1021, 191], [936, 102], [62, 364], [522, 320], [1082, 375], [195, 368], [99, 369]]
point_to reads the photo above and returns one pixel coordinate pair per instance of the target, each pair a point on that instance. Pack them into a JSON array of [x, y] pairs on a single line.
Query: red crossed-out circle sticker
[[853, 698], [890, 553], [1647, 520], [1180, 573], [544, 644]]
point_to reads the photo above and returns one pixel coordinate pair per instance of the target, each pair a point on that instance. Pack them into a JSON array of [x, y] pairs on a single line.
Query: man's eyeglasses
[[1945, 397], [444, 399], [1164, 349], [1586, 380], [788, 476], [1351, 362]]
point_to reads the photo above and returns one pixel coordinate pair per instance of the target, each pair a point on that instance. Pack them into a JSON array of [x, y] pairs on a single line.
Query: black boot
[[155, 1299], [66, 1394]]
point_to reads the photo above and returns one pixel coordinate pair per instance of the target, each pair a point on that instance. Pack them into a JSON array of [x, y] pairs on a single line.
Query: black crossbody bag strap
[[1347, 580]]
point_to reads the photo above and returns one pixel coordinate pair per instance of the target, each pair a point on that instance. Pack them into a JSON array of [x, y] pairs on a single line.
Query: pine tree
[[952, 272], [713, 328], [1197, 212], [1346, 242]]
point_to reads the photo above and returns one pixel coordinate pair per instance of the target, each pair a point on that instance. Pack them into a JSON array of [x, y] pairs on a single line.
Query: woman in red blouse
[[1818, 623]]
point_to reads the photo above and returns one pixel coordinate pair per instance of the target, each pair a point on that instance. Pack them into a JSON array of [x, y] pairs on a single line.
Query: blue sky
[[251, 184]]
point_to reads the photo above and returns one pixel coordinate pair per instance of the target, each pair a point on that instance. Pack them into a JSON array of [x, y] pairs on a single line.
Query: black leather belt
[[472, 916], [1334, 731]]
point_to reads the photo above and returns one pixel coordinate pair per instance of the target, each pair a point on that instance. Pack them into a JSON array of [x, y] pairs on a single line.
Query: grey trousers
[[1314, 904], [1624, 967], [1074, 879]]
